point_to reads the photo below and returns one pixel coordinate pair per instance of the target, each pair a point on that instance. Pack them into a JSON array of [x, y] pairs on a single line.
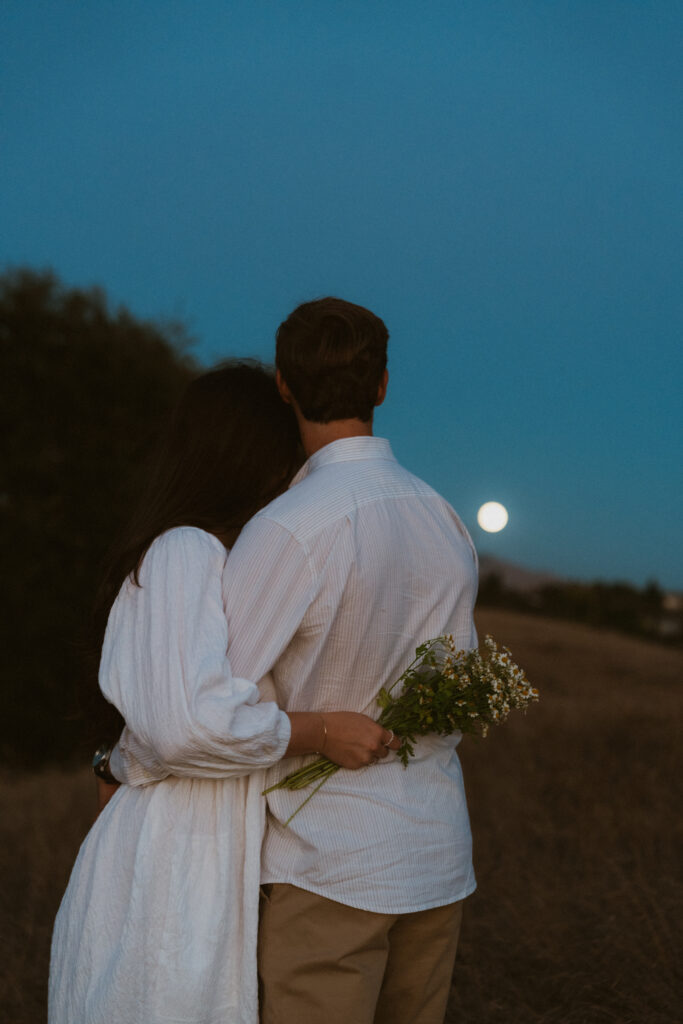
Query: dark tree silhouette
[[83, 393]]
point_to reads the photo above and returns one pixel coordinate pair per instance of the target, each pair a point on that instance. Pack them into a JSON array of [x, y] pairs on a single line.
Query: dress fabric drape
[[159, 920]]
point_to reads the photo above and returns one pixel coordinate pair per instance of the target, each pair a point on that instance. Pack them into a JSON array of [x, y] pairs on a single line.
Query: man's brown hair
[[332, 355]]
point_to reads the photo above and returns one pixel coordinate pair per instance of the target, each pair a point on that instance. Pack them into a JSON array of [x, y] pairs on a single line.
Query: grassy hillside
[[576, 819]]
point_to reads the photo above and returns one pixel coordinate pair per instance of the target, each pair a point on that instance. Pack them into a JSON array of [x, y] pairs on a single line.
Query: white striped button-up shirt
[[331, 587]]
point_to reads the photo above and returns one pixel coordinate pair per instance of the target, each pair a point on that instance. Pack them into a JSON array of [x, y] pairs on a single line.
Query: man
[[331, 587], [340, 579]]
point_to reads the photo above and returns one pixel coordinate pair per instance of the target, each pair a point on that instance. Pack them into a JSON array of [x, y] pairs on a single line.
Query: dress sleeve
[[165, 667]]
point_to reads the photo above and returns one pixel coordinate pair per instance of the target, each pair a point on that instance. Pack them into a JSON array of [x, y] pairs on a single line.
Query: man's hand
[[105, 791], [348, 738]]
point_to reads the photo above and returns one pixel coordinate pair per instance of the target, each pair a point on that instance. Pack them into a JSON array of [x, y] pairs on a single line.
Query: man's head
[[332, 356]]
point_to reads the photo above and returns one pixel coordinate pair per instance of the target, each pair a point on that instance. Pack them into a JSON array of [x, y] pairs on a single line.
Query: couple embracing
[[229, 670]]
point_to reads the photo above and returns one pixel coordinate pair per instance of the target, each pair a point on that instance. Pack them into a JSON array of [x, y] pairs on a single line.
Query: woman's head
[[232, 445]]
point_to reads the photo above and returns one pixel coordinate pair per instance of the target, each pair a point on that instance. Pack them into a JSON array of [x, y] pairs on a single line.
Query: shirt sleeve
[[268, 586], [165, 666]]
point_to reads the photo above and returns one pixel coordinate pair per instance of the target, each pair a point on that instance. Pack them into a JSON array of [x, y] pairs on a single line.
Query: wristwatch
[[100, 764]]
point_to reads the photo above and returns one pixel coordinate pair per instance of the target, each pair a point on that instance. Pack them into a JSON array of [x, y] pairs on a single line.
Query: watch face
[[101, 758]]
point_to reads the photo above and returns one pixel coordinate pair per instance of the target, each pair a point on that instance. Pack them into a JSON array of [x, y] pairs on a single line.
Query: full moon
[[492, 516]]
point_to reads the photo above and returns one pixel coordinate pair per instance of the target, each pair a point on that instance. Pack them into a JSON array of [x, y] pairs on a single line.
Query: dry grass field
[[576, 819]]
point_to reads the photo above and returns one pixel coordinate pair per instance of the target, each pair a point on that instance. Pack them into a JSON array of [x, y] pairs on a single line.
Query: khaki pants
[[321, 962]]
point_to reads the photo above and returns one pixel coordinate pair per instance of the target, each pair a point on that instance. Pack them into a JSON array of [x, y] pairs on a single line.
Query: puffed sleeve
[[165, 667]]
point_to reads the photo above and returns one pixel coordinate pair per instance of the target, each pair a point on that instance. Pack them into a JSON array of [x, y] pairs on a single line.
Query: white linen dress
[[159, 922]]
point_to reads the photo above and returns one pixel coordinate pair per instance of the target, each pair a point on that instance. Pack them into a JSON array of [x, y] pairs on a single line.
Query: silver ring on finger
[[390, 740]]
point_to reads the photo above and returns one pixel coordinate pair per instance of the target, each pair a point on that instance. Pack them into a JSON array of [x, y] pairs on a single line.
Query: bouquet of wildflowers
[[443, 690]]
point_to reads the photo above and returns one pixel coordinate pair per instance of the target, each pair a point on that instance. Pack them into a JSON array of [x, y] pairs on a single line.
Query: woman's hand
[[105, 791], [354, 741], [348, 738]]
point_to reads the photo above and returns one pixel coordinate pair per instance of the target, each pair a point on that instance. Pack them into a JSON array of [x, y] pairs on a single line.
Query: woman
[[159, 920]]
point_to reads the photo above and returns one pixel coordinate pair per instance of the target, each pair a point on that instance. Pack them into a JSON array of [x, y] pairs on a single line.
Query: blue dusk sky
[[500, 181]]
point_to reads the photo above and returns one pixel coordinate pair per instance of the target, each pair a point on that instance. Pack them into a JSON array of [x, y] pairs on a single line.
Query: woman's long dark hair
[[231, 446]]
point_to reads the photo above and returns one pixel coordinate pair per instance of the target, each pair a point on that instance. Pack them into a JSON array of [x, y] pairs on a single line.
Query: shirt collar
[[347, 449]]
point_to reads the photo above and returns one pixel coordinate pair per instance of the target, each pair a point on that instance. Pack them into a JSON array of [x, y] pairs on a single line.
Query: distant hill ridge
[[516, 577]]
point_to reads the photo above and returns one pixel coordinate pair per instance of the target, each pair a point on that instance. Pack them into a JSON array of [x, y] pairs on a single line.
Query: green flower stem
[[311, 794], [322, 768]]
